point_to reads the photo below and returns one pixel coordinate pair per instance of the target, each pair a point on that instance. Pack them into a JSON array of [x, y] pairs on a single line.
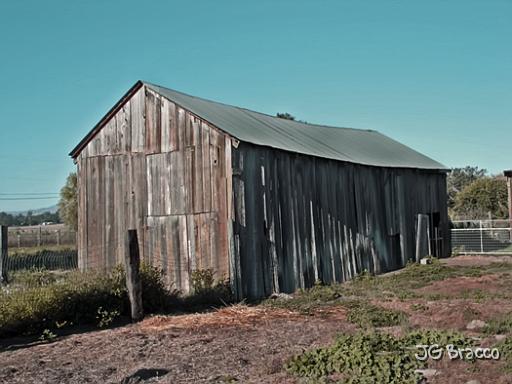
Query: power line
[[29, 193], [28, 198]]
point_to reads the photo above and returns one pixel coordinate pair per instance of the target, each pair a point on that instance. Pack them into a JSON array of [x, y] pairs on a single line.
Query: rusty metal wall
[[299, 219]]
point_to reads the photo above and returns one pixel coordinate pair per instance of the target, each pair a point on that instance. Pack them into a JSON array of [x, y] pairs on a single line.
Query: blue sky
[[435, 75]]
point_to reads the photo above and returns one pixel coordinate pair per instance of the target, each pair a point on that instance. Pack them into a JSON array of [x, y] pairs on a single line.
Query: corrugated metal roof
[[359, 146]]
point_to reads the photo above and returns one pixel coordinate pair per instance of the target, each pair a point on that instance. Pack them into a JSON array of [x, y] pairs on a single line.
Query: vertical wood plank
[[137, 119], [184, 253], [173, 127], [165, 126], [205, 166]]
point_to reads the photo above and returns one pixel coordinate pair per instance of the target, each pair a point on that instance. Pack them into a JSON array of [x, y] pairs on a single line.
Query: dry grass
[[238, 315]]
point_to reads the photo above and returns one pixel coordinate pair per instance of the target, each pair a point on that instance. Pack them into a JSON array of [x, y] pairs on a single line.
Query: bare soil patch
[[234, 344], [460, 285], [476, 260]]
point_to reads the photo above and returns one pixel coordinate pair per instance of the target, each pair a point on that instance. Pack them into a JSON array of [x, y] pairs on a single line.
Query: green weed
[[367, 315], [499, 326], [505, 348], [105, 317], [47, 335], [202, 280], [371, 357], [419, 307]]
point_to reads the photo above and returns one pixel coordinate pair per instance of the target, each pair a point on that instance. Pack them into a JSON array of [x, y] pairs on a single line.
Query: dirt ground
[[246, 344]]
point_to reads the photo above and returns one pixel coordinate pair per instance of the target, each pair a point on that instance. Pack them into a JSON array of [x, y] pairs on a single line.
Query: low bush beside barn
[[41, 300]]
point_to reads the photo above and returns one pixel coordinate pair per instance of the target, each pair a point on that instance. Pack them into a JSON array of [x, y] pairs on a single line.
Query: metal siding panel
[[320, 218]]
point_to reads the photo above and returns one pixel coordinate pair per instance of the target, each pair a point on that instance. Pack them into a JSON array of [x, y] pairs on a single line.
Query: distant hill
[[38, 211]]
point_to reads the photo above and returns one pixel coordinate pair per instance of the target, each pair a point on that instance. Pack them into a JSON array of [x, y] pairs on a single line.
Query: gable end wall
[[157, 168]]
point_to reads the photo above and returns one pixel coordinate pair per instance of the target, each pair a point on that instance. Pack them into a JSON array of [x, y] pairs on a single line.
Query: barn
[[271, 204]]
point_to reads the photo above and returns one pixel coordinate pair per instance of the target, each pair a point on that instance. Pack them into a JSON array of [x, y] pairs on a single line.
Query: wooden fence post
[[508, 175], [133, 282], [3, 253], [422, 238]]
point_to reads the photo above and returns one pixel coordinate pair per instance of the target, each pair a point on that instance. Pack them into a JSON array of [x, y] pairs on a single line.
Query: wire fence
[[41, 235], [482, 236], [58, 259], [49, 248]]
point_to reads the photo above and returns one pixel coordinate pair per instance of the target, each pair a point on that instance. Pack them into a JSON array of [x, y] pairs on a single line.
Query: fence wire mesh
[[482, 236], [41, 235], [37, 255]]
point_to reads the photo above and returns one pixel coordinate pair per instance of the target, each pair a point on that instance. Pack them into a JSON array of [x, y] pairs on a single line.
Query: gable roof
[[358, 146]]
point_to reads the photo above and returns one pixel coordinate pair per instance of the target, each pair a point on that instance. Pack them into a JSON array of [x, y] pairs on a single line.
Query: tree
[[68, 204], [459, 178], [481, 197], [285, 116]]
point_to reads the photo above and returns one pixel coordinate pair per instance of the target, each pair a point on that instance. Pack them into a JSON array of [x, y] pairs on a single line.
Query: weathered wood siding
[[299, 219], [157, 168]]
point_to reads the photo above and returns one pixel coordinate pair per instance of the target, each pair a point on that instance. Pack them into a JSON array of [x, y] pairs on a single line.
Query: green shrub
[[205, 291], [47, 335], [155, 295], [105, 317], [435, 336], [306, 301], [219, 294], [202, 280], [33, 277], [368, 315], [419, 307], [363, 358], [371, 357], [40, 299], [76, 299]]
